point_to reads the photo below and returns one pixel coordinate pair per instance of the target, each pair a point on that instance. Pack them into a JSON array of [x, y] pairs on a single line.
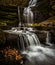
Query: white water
[[19, 16], [28, 14], [38, 55], [36, 39], [28, 39], [48, 40], [32, 3]]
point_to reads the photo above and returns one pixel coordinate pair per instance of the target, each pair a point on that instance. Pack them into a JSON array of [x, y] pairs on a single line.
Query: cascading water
[[30, 44], [30, 47], [36, 39], [37, 54], [48, 38], [28, 39], [28, 14], [33, 39], [19, 16], [32, 3]]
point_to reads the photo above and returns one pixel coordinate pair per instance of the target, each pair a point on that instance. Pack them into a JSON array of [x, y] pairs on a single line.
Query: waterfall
[[36, 39], [28, 14], [48, 38], [37, 54], [32, 3], [19, 16], [29, 43], [33, 40], [29, 46], [26, 40]]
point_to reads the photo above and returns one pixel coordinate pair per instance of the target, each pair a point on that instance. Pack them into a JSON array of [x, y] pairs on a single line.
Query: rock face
[[41, 11], [52, 36], [52, 5], [2, 38], [42, 36], [11, 39]]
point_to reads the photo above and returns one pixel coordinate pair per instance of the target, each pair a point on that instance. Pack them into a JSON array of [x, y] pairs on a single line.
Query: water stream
[[28, 14], [27, 39], [19, 16], [48, 38], [38, 54], [31, 48], [34, 51], [30, 44]]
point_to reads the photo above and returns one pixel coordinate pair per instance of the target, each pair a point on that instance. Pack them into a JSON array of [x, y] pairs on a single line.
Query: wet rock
[[52, 36], [11, 39], [42, 36]]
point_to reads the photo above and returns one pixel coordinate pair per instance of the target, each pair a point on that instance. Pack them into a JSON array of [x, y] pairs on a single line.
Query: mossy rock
[[2, 37]]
